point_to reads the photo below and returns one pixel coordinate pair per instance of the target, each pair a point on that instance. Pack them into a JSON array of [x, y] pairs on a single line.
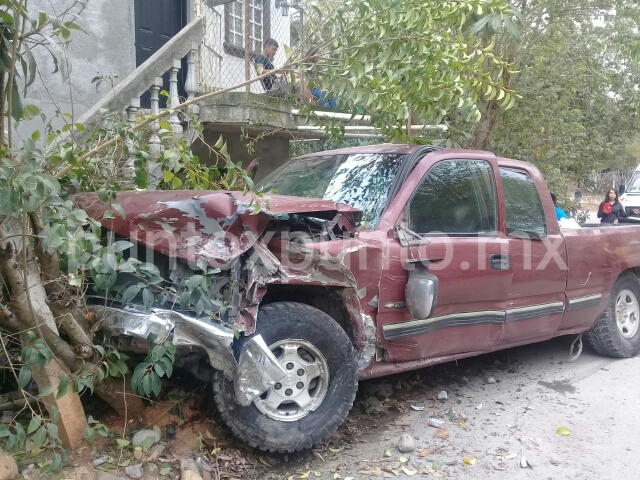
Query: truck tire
[[313, 400], [617, 333]]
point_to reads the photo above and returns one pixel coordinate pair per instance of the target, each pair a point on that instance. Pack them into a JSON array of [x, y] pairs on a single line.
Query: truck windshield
[[360, 180], [634, 183]]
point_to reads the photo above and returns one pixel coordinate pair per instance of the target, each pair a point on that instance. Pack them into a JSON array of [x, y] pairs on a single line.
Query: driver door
[[449, 211]]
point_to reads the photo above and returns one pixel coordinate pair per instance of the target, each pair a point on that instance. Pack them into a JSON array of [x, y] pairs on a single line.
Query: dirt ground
[[491, 425], [497, 424]]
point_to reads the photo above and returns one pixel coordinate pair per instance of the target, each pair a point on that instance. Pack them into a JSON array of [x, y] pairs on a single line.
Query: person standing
[[610, 210], [559, 212], [578, 196]]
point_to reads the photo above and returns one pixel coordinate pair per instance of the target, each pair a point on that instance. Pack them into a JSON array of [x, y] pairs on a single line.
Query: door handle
[[499, 261]]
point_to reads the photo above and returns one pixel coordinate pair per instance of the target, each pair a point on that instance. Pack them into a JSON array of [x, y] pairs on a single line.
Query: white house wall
[[107, 47]]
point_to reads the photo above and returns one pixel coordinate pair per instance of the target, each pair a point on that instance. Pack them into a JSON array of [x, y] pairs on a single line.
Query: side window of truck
[[525, 215], [456, 197]]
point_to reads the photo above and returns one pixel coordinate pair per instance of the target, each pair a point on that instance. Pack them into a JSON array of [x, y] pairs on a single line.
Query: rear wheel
[[617, 333], [315, 397]]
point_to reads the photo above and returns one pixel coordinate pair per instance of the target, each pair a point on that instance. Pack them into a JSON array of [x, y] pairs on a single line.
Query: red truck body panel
[[557, 285]]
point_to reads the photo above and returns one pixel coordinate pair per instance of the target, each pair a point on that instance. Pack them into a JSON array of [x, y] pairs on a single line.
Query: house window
[[234, 26]]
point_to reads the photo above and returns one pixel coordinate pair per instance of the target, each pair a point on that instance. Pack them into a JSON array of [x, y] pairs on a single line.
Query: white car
[[630, 199]]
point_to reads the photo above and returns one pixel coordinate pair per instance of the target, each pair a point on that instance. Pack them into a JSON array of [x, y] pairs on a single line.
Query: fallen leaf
[[264, 462], [165, 471], [524, 463], [409, 471], [563, 431], [216, 451], [403, 460], [479, 406], [511, 456], [209, 435], [418, 408], [318, 456], [425, 452], [336, 450], [137, 453], [469, 461], [125, 463], [387, 453], [336, 476], [441, 433], [463, 425], [471, 396], [305, 474]]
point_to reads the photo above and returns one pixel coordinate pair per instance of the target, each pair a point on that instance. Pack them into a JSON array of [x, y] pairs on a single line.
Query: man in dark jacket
[[265, 62]]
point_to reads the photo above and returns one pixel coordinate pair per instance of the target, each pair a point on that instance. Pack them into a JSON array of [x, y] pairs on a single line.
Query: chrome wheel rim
[[627, 313], [305, 386]]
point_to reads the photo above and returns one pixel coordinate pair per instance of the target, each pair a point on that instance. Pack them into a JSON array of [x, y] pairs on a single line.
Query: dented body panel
[[294, 241]]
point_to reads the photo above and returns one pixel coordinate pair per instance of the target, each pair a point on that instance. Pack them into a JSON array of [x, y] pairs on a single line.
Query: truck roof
[[407, 149]]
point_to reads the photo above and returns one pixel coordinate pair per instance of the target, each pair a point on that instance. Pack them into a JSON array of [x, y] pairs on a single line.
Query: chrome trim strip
[[534, 311], [584, 302], [417, 327]]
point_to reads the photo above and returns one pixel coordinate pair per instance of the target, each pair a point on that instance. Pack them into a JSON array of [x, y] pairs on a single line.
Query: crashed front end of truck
[[243, 251]]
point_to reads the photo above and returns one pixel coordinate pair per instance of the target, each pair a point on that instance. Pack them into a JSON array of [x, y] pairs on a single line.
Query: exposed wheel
[[313, 400], [617, 333]]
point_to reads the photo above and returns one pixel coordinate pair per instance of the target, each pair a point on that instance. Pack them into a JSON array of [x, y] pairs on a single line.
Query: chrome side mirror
[[421, 292]]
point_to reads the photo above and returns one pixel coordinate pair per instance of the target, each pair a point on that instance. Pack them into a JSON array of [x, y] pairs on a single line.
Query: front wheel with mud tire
[[617, 333], [315, 397]]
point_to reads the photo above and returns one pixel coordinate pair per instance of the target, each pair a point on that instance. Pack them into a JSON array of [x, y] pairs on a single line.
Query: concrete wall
[[107, 47], [272, 151]]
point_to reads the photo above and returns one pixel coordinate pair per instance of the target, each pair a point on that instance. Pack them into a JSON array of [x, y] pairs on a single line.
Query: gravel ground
[[536, 391]]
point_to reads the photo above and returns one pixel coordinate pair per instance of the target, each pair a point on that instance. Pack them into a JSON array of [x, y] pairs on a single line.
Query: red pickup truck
[[367, 262]]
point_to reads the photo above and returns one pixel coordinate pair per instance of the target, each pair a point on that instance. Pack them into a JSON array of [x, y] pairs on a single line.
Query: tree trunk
[[481, 133], [30, 310]]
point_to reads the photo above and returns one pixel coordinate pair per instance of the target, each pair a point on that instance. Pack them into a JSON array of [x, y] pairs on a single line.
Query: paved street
[[536, 391]]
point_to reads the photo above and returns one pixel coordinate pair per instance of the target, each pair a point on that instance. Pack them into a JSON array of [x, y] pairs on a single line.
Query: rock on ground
[[8, 467], [139, 438], [406, 444], [189, 470], [108, 476], [134, 471]]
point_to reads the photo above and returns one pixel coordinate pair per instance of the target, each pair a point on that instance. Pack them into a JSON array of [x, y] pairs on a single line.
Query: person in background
[[264, 62], [559, 212], [578, 196], [610, 210]]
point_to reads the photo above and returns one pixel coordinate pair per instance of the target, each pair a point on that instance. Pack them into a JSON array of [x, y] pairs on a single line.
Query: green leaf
[[47, 390], [9, 200], [563, 431], [63, 386], [120, 210], [479, 25], [146, 385], [24, 377], [39, 437], [34, 424], [165, 471], [148, 298], [52, 428], [130, 293], [156, 384], [30, 111], [122, 442], [35, 136]]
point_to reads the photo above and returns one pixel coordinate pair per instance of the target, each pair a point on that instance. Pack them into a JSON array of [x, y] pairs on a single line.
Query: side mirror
[[421, 292], [621, 189]]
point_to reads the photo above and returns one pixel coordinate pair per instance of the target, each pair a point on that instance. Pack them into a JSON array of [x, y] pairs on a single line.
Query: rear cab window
[[525, 214]]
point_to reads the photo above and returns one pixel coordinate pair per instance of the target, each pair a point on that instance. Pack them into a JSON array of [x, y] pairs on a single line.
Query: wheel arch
[[340, 303]]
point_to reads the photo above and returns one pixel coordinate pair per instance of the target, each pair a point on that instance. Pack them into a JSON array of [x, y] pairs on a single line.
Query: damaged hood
[[215, 225]]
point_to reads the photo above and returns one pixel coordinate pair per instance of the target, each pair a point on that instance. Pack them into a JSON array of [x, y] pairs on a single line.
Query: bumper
[[255, 372]]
